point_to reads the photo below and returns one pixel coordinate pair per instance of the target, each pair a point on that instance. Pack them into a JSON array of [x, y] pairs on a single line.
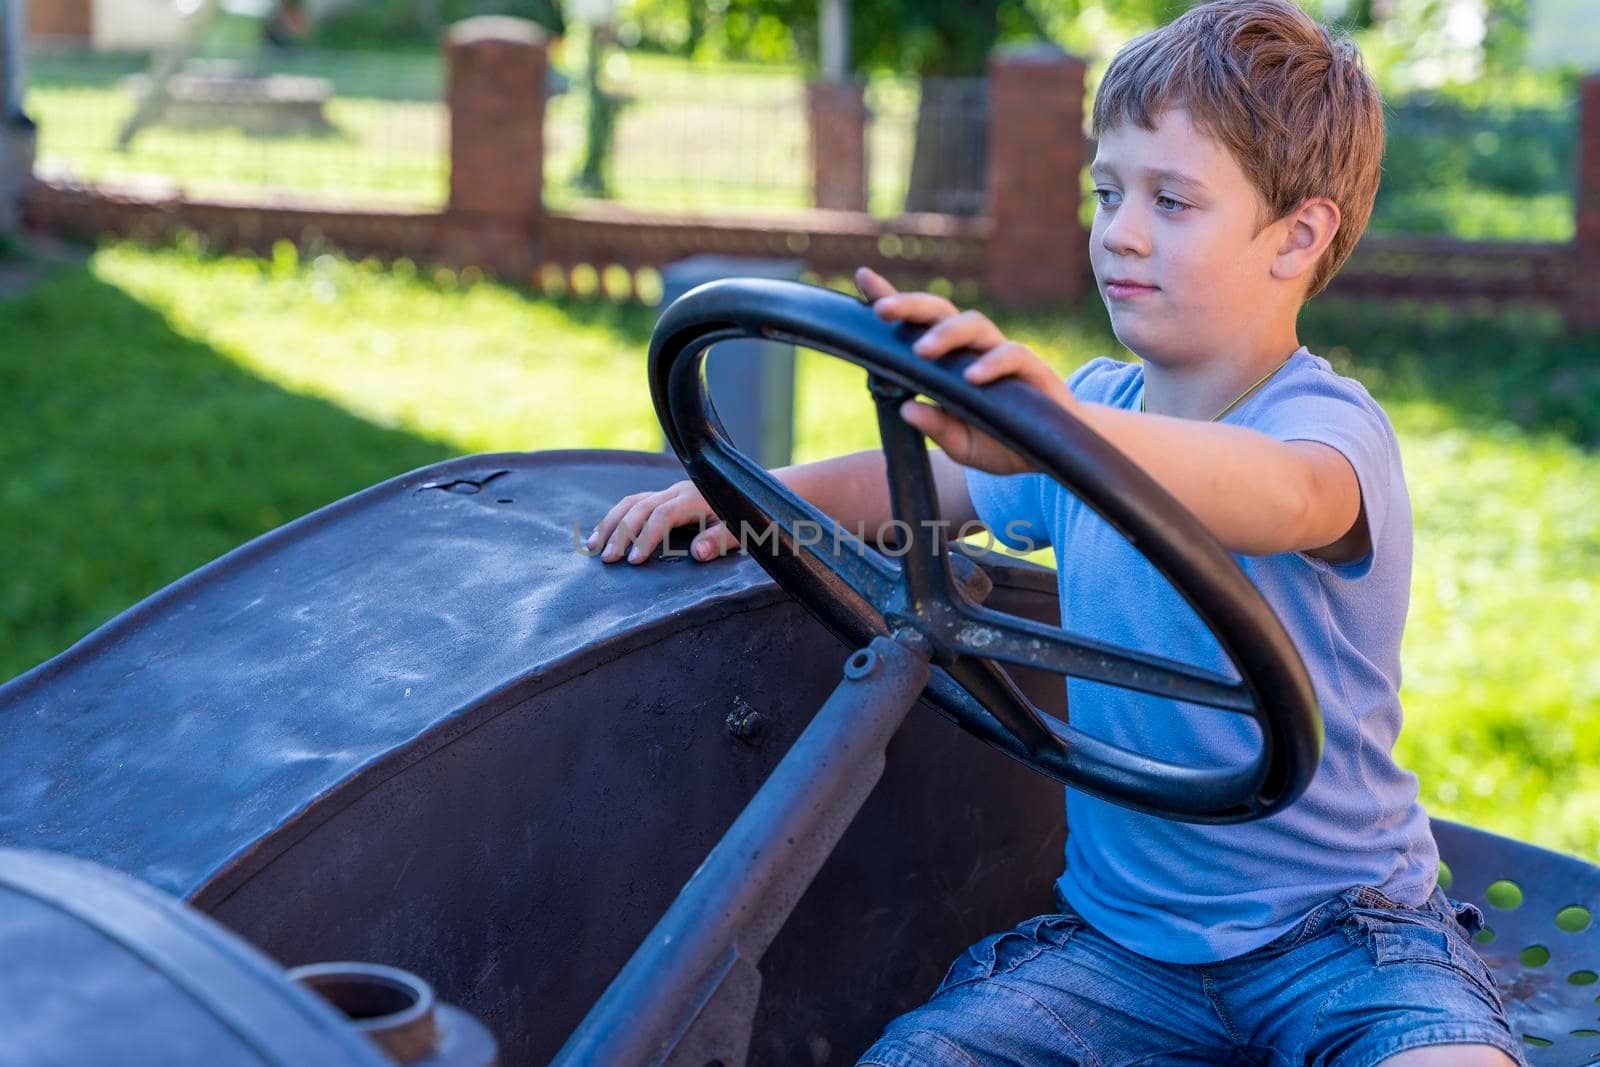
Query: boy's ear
[[1309, 229]]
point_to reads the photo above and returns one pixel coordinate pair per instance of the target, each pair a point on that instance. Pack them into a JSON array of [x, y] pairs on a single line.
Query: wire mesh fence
[[927, 145], [367, 129], [356, 129], [664, 135]]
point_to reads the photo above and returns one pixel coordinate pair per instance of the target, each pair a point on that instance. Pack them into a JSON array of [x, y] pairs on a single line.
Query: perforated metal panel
[[1540, 939]]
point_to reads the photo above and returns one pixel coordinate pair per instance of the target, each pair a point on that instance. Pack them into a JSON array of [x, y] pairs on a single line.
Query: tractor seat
[[1540, 937]]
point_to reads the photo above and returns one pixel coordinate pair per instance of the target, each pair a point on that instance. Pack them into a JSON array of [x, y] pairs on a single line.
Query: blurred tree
[[1505, 36], [416, 23]]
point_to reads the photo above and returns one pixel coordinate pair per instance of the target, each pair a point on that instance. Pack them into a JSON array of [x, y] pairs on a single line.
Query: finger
[[914, 307], [677, 510], [1000, 362], [940, 427], [716, 540], [873, 285], [606, 526], [628, 529], [651, 534], [970, 329]]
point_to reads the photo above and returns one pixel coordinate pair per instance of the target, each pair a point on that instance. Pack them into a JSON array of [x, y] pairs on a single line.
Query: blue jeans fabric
[[1360, 979]]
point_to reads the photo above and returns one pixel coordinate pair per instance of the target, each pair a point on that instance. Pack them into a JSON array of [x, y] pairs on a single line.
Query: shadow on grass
[[1518, 366], [132, 455]]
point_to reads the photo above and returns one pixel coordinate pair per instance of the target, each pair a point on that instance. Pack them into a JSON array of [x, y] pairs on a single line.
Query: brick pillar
[[61, 19], [1038, 251], [495, 95], [1583, 293], [837, 114]]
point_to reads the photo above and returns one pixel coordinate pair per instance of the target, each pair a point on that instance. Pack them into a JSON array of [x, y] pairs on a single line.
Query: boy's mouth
[[1126, 288]]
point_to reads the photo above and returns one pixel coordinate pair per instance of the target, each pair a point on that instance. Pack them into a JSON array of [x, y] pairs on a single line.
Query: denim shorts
[[1358, 980]]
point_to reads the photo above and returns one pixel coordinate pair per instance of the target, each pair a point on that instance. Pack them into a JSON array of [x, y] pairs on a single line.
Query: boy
[[1238, 157]]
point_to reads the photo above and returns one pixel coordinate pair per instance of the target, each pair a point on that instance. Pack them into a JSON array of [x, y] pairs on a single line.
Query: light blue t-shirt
[[1188, 893]]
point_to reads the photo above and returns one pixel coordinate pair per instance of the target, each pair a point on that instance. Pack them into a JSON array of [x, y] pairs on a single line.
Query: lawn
[[161, 406]]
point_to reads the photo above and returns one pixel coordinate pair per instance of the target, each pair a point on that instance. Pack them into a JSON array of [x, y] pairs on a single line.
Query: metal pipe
[[12, 63], [833, 31]]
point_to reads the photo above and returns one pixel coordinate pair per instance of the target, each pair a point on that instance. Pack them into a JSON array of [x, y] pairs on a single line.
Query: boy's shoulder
[[1310, 389], [1294, 390]]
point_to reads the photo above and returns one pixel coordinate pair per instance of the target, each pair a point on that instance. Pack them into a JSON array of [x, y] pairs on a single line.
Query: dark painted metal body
[[688, 994], [418, 728], [98, 968]]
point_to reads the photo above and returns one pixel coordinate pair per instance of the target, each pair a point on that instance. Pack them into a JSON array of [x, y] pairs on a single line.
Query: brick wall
[[836, 114], [497, 69], [1583, 299], [61, 19]]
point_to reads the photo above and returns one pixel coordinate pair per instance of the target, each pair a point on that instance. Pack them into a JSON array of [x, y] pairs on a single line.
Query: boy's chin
[[1140, 338]]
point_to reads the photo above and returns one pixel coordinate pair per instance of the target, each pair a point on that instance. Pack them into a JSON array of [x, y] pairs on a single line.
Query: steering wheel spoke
[[914, 500], [966, 693], [1022, 723], [992, 634], [874, 579]]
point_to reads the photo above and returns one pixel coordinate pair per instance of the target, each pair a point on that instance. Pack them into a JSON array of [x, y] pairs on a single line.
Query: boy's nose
[[1125, 233]]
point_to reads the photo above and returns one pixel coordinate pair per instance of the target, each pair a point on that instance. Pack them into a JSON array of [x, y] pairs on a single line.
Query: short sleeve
[[1343, 417], [1012, 507], [1015, 507]]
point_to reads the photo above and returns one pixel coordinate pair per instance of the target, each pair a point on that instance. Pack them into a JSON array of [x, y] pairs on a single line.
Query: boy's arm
[[1257, 495], [854, 489], [851, 489]]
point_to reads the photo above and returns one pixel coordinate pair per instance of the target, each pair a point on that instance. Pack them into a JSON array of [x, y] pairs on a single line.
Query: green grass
[[388, 145], [160, 407]]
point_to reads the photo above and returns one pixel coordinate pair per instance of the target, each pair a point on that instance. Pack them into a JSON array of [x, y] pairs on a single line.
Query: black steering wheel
[[859, 593]]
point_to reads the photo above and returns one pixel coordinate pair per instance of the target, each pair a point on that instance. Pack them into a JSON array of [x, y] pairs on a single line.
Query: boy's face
[[1177, 246]]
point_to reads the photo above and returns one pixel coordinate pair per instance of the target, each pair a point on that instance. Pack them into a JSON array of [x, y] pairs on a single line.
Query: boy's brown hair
[[1291, 101]]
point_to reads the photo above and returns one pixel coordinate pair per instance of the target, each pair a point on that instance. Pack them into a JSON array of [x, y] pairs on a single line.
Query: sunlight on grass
[[478, 366], [1502, 688]]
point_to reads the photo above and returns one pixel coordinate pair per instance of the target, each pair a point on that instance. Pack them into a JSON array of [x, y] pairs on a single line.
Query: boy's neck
[[1199, 389]]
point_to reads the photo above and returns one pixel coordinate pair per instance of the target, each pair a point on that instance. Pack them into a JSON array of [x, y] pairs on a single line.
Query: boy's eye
[[1166, 203], [1108, 197]]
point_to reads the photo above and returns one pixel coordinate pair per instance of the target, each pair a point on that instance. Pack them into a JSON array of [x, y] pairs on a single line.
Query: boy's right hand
[[636, 524]]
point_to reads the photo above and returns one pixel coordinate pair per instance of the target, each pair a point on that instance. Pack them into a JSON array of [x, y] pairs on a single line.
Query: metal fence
[[927, 147], [357, 129], [703, 139], [681, 138], [369, 129]]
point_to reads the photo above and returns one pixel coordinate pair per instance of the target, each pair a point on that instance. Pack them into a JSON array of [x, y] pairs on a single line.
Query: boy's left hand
[[950, 329]]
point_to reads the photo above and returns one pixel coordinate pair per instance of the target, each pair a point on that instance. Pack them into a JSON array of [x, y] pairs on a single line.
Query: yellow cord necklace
[[1236, 401]]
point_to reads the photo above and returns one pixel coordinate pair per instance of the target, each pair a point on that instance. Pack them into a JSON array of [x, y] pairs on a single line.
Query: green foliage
[[897, 35], [417, 25]]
